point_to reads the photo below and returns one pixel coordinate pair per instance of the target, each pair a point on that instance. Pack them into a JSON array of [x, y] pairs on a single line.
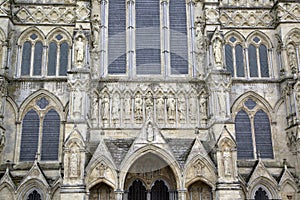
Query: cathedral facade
[[149, 99]]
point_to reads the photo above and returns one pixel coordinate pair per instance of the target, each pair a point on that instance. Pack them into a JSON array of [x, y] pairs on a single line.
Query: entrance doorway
[[102, 191], [200, 190], [159, 191]]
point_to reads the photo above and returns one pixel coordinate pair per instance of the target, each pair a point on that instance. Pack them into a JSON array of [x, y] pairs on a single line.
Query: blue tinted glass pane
[[253, 61], [42, 103], [250, 104], [229, 59], [26, 58], [148, 37], [263, 58], [117, 37], [30, 136], [149, 64], [50, 140], [263, 137], [243, 136], [52, 59], [63, 59], [239, 56], [37, 63], [178, 37]]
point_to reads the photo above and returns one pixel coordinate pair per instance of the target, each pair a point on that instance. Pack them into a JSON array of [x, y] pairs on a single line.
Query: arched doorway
[[200, 190], [102, 191], [137, 191], [261, 194], [34, 195], [150, 178]]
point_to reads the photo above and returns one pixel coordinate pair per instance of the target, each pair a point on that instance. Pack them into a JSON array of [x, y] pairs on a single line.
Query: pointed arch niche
[[152, 174]]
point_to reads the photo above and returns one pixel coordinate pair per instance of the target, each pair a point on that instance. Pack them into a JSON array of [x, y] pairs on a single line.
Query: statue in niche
[[199, 32], [77, 102], [95, 107], [171, 108], [292, 59], [193, 107], [150, 132], [115, 109], [203, 107], [96, 31], [222, 104], [182, 108], [138, 109], [149, 105], [227, 161], [79, 49], [198, 168], [127, 107], [105, 107], [74, 165], [217, 44], [160, 108], [102, 169]]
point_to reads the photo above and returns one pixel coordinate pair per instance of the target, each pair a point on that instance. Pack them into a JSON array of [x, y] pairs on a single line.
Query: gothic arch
[[268, 185], [34, 184], [57, 31], [211, 181], [89, 170], [13, 104], [40, 93], [287, 38], [10, 189], [240, 37], [237, 104], [26, 33], [166, 156], [265, 39]]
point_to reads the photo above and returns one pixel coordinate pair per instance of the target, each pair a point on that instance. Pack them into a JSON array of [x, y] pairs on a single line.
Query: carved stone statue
[[221, 104], [203, 107], [150, 132], [79, 49], [73, 165], [127, 107], [292, 59], [105, 107], [198, 168], [77, 104], [115, 108], [160, 108], [149, 105], [227, 160], [171, 108], [102, 169], [3, 139], [138, 109], [218, 49], [96, 31], [182, 108], [94, 111], [193, 107]]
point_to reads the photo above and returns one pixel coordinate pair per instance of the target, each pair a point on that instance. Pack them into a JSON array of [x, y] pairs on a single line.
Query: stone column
[[182, 194]]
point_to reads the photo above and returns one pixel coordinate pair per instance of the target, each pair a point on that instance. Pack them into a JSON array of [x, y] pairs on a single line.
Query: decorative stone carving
[[193, 107], [127, 107], [96, 31], [217, 43], [292, 59], [95, 107], [150, 132], [3, 139], [138, 108], [73, 165], [77, 104], [116, 108], [160, 108], [102, 168], [171, 108], [221, 100], [227, 161], [203, 108], [182, 108], [149, 105], [79, 50], [198, 168], [105, 107]]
